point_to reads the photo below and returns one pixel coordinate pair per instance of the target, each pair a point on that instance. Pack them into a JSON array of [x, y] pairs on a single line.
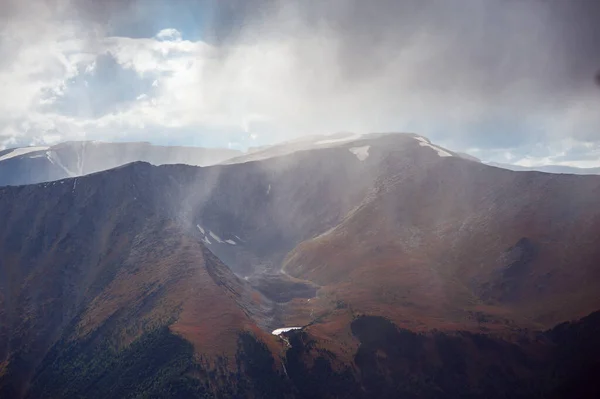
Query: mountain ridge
[[78, 158], [405, 244]]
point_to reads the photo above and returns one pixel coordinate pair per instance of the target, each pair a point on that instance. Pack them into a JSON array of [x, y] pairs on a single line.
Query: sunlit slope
[[451, 242]]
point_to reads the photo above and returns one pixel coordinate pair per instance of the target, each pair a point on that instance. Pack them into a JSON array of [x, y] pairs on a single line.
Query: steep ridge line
[[417, 259]]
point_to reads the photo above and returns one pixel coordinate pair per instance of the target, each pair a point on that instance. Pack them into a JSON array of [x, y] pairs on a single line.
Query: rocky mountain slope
[[104, 269], [411, 270], [469, 240]]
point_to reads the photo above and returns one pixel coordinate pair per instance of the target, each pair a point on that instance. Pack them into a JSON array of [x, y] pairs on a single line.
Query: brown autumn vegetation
[[427, 243]]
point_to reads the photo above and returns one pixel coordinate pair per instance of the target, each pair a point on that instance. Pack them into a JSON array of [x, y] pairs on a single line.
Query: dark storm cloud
[[577, 31], [493, 40], [513, 61], [480, 45]]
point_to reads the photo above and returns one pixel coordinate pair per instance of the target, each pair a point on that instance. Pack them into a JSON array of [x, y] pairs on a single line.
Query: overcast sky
[[505, 80]]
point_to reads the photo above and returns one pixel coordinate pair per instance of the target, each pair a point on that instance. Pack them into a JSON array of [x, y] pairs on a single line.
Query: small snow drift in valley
[[216, 237], [425, 143], [361, 153], [279, 331], [21, 151], [230, 242], [201, 229]]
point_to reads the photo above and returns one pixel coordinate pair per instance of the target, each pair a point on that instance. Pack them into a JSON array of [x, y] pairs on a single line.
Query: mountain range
[[28, 165], [346, 266], [549, 169]]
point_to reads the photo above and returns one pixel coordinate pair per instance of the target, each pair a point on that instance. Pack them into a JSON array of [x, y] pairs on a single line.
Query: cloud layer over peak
[[507, 80]]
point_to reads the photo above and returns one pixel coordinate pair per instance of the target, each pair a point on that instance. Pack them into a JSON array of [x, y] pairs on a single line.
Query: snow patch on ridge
[[425, 143], [56, 161], [21, 151], [361, 153], [340, 140], [216, 237]]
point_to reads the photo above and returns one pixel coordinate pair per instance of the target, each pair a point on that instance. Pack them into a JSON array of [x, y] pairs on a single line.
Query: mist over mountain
[[299, 199], [503, 80], [393, 265]]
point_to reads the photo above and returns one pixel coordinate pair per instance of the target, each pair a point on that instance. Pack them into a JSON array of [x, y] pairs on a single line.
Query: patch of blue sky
[[145, 19], [105, 89]]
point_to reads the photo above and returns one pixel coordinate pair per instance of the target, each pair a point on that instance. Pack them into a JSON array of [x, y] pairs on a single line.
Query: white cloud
[[38, 68], [169, 34], [286, 78]]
